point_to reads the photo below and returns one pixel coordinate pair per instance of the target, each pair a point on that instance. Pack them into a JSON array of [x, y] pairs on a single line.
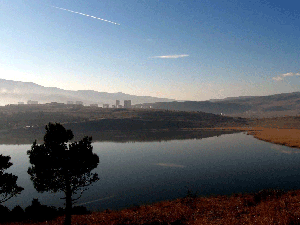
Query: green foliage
[[17, 214], [58, 165], [8, 182], [39, 212], [55, 161], [4, 212]]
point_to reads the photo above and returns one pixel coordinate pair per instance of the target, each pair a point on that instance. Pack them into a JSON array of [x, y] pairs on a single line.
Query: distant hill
[[286, 104], [12, 92], [22, 124], [203, 106]]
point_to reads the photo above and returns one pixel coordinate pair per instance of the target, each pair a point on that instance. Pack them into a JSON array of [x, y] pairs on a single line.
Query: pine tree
[[60, 166], [8, 182]]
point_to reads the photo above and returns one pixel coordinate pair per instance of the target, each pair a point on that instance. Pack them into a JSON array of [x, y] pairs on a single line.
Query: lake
[[137, 173]]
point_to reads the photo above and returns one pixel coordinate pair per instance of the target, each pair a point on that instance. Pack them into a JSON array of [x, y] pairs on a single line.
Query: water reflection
[[29, 136], [285, 150], [145, 172]]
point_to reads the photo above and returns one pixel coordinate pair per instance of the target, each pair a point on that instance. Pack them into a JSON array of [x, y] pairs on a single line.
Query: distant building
[[94, 105], [105, 106], [55, 104], [20, 103], [29, 102], [70, 102], [79, 103], [120, 106], [113, 106], [117, 103], [127, 103]]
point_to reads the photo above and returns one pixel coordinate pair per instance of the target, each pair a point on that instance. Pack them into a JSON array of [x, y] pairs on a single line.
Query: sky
[[179, 49]]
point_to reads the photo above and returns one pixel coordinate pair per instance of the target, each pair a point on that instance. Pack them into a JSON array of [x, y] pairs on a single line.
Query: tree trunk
[[68, 202]]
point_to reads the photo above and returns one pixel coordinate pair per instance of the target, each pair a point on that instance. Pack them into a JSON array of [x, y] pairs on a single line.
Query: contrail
[[94, 17]]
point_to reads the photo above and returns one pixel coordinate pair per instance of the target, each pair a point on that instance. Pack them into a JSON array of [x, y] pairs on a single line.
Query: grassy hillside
[[277, 122], [286, 104], [24, 124]]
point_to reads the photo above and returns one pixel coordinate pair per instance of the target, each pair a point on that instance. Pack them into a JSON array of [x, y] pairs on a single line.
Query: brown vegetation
[[287, 137], [278, 130], [264, 207]]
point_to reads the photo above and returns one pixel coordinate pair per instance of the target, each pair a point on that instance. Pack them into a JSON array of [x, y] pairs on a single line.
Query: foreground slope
[[264, 207]]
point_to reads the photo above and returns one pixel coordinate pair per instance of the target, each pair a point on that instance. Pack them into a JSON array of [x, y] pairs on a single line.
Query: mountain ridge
[[285, 104], [12, 92]]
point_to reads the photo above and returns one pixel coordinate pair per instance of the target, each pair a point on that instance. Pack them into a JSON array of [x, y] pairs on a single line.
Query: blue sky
[[180, 49]]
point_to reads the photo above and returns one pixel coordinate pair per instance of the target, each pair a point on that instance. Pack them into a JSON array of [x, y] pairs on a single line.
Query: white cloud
[[282, 76], [170, 56], [279, 78], [290, 74]]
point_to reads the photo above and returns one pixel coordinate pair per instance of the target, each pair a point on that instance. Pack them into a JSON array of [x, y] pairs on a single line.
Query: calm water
[[145, 172]]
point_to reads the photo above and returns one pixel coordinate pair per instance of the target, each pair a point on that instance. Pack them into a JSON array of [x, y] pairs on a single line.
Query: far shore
[[283, 136]]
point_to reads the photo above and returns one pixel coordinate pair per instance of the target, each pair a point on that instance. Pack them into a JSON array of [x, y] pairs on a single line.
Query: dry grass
[[279, 130], [265, 207], [288, 137], [283, 136]]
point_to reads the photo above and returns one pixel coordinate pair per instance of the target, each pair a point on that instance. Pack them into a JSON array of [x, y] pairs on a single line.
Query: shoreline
[[289, 137], [146, 135], [286, 137]]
